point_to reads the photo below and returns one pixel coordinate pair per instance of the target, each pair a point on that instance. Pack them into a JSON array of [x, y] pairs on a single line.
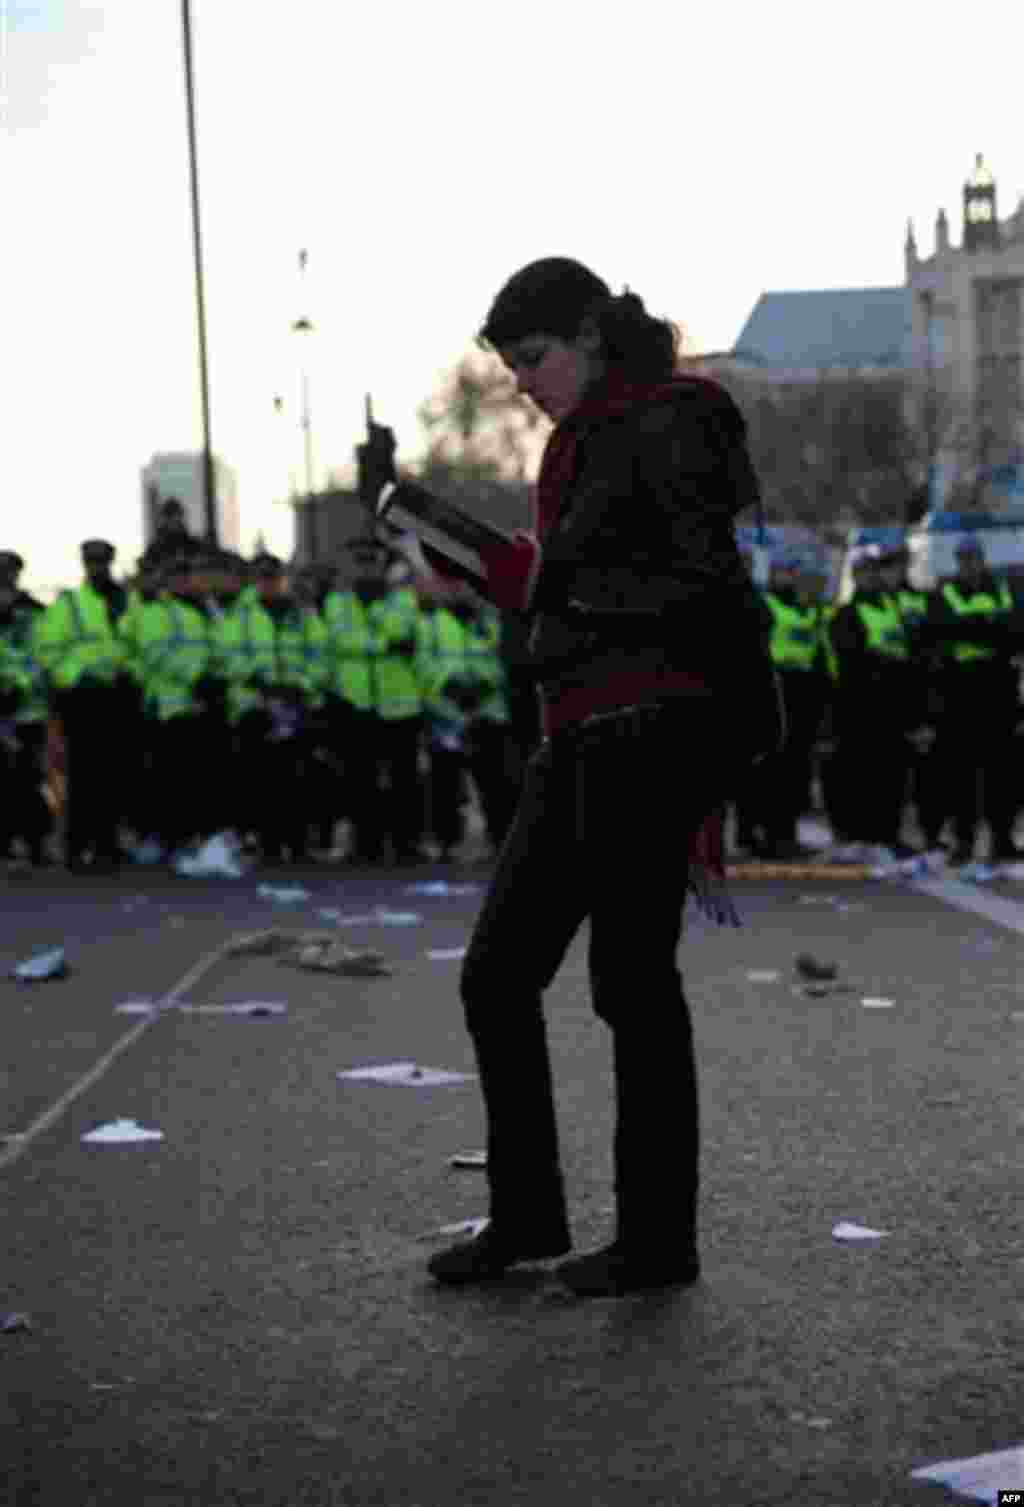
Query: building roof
[[828, 327]]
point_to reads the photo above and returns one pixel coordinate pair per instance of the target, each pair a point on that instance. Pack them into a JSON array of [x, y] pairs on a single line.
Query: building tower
[[981, 227]]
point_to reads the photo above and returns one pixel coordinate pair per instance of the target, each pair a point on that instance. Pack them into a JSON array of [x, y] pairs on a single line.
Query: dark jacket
[[642, 572]]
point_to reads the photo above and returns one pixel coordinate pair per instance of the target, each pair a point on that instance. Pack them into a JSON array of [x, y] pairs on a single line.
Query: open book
[[456, 535]]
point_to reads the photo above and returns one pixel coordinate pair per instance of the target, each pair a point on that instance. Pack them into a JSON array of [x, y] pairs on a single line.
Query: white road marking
[[16, 1148]]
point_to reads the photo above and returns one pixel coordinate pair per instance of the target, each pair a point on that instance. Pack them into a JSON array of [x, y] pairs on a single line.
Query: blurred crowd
[[360, 722], [211, 694], [902, 707]]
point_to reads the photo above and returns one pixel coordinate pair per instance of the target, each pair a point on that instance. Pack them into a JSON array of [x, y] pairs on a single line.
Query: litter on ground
[[14, 1323], [288, 894], [846, 1231], [469, 1159], [45, 965], [982, 1477], [121, 1131], [762, 976], [409, 1074], [446, 954], [216, 857], [877, 1004], [470, 1228], [441, 887]]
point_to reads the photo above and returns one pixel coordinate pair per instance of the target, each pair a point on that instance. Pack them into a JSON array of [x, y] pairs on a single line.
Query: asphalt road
[[239, 1312]]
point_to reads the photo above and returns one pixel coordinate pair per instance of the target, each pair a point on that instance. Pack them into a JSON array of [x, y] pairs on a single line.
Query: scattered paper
[[818, 899], [408, 1073], [441, 887], [762, 976], [471, 1228], [979, 1476], [284, 894], [218, 856], [877, 1004], [329, 914], [381, 916], [467, 1159], [255, 1007], [1012, 871], [334, 957], [14, 1323], [45, 965], [137, 1007], [976, 873], [446, 954], [121, 1130], [846, 1231]]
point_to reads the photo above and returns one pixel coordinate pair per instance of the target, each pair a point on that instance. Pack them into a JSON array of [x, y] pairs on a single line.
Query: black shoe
[[489, 1255], [903, 850], [611, 1272], [961, 856], [1006, 852]]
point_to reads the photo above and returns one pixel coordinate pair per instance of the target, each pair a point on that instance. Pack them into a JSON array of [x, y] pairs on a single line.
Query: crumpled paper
[[51, 964], [844, 1230], [408, 1074], [292, 894], [118, 1131], [218, 856], [317, 950]]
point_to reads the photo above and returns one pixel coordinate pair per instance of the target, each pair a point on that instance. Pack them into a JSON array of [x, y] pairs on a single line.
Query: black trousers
[[492, 759], [378, 747], [272, 798], [102, 766], [23, 809], [975, 753], [874, 756], [778, 791], [601, 832], [190, 771]]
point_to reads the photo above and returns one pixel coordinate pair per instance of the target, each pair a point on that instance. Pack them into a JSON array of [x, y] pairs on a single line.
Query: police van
[[932, 545]]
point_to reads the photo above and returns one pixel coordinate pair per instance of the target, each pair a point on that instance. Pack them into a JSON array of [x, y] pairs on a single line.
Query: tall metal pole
[[209, 502], [304, 326]]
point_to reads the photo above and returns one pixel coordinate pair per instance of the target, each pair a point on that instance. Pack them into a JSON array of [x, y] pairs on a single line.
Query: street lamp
[[304, 326], [209, 506]]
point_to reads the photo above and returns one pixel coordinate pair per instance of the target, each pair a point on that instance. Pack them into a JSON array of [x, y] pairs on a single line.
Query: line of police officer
[[898, 698], [211, 696]]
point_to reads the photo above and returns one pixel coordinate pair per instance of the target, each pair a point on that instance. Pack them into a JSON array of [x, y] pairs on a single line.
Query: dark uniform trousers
[[99, 726], [189, 765], [271, 799], [384, 746], [602, 832], [778, 792], [874, 756], [975, 746], [23, 809]]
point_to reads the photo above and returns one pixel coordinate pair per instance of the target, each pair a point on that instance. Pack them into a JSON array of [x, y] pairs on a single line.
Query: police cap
[[11, 564], [267, 567], [98, 552]]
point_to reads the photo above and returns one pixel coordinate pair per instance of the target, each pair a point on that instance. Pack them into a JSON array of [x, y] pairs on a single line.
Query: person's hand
[[376, 462], [921, 737]]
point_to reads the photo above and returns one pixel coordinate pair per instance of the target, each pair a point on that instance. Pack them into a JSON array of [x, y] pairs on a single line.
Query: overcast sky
[[422, 153]]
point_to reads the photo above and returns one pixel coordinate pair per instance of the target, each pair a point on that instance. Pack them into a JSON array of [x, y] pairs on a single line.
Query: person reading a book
[[650, 650]]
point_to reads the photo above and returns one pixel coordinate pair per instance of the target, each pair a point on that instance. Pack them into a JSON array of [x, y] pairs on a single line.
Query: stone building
[[967, 316]]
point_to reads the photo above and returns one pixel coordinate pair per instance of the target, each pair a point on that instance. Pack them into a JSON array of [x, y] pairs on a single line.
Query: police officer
[[779, 788], [926, 785], [874, 708], [971, 620], [259, 642], [316, 586], [24, 811], [94, 695], [493, 751]]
